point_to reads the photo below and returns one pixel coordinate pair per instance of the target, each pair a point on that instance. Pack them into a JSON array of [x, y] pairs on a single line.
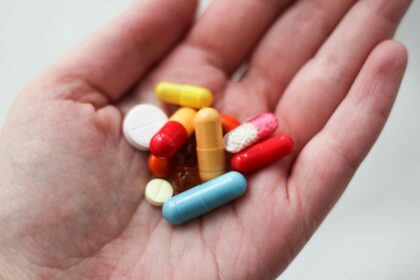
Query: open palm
[[72, 190]]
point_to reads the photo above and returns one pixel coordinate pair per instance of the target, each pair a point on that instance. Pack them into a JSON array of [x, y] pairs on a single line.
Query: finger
[[330, 159], [290, 42], [322, 84], [220, 41], [229, 30], [110, 62]]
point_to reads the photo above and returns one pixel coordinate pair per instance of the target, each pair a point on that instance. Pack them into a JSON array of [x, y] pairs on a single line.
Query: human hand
[[71, 188]]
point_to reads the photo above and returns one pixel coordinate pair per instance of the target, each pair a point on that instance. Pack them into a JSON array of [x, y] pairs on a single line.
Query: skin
[[72, 200]]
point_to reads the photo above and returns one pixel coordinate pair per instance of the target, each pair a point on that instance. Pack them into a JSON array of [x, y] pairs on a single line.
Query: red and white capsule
[[262, 154], [250, 132]]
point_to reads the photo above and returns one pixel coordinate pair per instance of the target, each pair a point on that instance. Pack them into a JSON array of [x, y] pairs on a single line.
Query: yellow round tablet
[[158, 191]]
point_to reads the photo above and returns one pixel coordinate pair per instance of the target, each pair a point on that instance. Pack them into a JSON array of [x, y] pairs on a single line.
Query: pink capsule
[[251, 132]]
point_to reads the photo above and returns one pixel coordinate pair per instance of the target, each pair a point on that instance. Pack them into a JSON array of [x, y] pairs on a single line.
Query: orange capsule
[[160, 167], [228, 123]]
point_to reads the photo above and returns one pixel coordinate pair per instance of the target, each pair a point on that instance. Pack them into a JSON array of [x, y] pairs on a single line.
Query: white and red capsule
[[251, 132]]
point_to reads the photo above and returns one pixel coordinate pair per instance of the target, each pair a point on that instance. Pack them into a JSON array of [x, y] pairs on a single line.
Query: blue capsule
[[204, 198]]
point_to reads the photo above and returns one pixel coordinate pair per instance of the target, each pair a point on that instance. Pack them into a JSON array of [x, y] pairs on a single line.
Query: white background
[[372, 233]]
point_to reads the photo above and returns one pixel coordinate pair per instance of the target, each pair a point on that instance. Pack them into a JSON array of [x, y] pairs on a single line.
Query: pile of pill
[[192, 172]]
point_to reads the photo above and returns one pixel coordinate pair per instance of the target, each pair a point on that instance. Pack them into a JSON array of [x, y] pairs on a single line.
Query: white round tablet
[[142, 123], [158, 191]]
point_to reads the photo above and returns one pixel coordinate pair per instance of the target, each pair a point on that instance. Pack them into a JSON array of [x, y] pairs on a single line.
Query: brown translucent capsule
[[228, 159], [186, 173], [184, 178], [187, 156]]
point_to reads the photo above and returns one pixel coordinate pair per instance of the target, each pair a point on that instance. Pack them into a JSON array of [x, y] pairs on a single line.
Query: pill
[[174, 134], [184, 95], [186, 173], [187, 155], [158, 191], [251, 132], [262, 154], [160, 167], [229, 123], [184, 178], [141, 123], [204, 198], [210, 146]]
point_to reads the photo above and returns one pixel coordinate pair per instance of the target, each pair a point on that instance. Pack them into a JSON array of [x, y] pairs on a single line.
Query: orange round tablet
[[160, 167], [229, 123]]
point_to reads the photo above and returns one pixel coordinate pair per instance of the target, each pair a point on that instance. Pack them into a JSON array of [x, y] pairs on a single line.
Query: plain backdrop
[[374, 230]]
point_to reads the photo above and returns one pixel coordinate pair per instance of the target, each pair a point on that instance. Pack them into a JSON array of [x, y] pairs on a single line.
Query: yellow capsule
[[184, 95], [210, 145]]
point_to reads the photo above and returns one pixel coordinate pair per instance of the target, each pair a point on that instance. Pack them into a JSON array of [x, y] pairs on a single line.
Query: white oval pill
[[142, 123], [158, 191]]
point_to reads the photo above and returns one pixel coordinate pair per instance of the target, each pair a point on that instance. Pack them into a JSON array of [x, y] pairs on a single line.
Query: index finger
[[110, 62]]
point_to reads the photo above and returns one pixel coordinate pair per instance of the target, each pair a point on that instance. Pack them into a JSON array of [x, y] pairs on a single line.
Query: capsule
[[210, 148], [262, 154], [187, 155], [184, 178], [184, 95], [229, 123], [174, 134], [203, 198], [251, 132], [160, 167], [185, 174]]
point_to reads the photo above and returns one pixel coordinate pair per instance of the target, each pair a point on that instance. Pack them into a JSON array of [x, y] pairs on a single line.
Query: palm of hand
[[78, 197]]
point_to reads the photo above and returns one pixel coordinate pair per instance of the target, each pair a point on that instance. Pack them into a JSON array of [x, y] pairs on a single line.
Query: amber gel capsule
[[210, 145], [186, 173], [184, 178]]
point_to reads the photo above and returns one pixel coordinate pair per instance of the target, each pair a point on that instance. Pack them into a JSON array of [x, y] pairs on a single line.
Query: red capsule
[[262, 154]]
